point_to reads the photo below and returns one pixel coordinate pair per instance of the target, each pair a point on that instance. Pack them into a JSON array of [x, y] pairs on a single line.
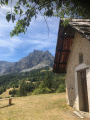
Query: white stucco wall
[[88, 85], [80, 45]]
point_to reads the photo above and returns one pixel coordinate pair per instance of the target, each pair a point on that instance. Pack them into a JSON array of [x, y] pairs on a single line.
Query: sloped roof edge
[[65, 40], [82, 26]]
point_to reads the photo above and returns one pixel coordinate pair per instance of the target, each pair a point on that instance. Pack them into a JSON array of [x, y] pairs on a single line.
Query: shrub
[[13, 92], [7, 97], [30, 87], [15, 86], [0, 97], [41, 89], [22, 89], [12, 95], [61, 88], [2, 89]]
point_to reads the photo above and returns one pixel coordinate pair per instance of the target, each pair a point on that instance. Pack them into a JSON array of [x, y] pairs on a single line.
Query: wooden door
[[84, 91]]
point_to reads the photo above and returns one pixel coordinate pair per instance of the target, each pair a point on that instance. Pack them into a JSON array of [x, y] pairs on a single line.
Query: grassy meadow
[[37, 107], [40, 95]]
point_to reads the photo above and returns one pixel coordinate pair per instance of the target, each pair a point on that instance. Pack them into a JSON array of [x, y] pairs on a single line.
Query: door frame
[[82, 91], [77, 77]]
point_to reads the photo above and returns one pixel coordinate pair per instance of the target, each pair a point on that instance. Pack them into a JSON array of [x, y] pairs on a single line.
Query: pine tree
[[22, 89]]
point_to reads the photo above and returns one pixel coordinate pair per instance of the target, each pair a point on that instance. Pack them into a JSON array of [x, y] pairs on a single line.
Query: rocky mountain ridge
[[35, 60]]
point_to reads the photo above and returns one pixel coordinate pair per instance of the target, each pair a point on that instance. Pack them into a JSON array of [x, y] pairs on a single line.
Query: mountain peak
[[35, 60]]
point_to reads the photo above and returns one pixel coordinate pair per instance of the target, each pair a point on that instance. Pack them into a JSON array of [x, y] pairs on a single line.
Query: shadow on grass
[[6, 106]]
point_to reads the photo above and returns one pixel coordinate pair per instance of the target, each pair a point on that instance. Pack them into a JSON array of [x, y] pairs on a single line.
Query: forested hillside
[[36, 81]]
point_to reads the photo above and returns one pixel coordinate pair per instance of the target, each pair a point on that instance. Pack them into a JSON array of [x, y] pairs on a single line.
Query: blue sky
[[36, 37]]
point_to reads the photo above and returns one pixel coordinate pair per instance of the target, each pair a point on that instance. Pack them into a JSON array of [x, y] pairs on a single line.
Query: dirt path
[[38, 107]]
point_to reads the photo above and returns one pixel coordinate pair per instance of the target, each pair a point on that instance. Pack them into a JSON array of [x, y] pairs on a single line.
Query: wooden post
[[10, 101]]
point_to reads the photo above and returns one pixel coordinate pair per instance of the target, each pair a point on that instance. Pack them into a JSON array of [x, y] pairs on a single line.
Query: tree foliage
[[25, 10], [22, 89], [36, 82]]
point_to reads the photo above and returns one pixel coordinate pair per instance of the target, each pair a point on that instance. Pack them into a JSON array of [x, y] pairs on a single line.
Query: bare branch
[[46, 22]]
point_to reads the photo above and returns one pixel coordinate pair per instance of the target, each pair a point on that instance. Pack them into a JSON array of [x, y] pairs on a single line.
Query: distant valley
[[35, 60]]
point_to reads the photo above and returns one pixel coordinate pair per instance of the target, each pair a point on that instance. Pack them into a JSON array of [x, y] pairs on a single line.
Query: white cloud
[[10, 42], [36, 37], [8, 46]]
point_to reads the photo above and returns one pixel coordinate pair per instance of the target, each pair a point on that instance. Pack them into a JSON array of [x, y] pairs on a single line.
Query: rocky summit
[[35, 60]]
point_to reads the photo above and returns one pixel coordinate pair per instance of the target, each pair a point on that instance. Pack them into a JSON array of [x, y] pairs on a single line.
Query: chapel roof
[[65, 40], [82, 26]]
